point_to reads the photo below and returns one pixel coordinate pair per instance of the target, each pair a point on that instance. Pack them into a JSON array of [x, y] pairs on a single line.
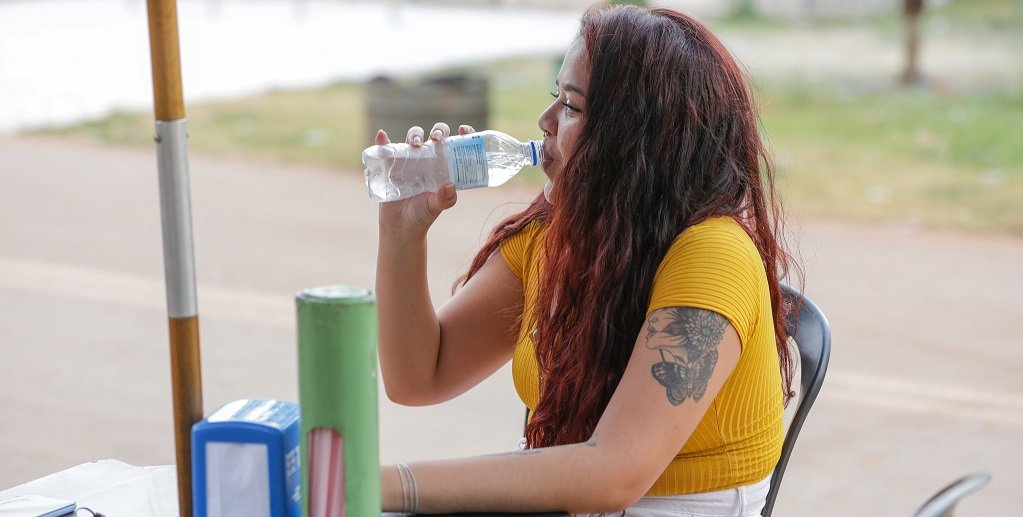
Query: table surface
[[118, 489]]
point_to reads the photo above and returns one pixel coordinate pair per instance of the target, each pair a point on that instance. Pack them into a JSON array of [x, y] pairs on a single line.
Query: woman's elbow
[[609, 502], [619, 498], [396, 395], [408, 394], [402, 395], [613, 494]]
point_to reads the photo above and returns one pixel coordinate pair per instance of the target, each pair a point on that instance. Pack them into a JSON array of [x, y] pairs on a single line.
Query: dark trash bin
[[395, 106]]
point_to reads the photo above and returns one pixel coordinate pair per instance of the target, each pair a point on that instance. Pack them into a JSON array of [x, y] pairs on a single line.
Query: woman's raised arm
[[428, 356]]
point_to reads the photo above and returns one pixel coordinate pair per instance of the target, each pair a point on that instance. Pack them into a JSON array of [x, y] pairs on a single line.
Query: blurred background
[[896, 128], [873, 114]]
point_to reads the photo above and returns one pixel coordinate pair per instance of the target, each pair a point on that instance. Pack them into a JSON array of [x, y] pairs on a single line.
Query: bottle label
[[468, 163]]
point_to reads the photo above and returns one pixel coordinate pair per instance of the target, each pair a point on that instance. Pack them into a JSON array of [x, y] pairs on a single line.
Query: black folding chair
[[943, 503], [812, 334]]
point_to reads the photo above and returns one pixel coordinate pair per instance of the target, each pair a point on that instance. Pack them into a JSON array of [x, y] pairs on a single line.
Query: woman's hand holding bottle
[[414, 216]]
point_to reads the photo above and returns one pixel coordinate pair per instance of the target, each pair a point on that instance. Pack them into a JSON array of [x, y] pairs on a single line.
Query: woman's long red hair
[[670, 139]]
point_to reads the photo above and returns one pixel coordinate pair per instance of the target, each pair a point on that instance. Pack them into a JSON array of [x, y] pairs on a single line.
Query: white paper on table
[[35, 506], [109, 486]]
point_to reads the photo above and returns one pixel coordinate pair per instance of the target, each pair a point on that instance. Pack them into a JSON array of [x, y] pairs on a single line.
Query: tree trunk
[[911, 71]]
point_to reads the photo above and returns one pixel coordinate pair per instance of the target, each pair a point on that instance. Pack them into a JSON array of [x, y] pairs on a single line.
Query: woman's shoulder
[[717, 250], [713, 265], [718, 235], [519, 248], [531, 233]]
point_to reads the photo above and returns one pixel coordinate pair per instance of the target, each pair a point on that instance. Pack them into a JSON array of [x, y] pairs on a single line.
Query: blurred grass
[[312, 126], [950, 160], [984, 15], [325, 126], [952, 16], [902, 155]]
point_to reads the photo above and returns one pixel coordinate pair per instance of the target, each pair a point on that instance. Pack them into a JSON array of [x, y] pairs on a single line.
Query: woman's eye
[[568, 107]]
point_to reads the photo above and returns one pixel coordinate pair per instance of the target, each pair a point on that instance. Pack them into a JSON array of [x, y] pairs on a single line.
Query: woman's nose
[[546, 122]]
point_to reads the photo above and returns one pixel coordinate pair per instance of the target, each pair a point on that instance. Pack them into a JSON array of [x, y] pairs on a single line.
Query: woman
[[638, 297]]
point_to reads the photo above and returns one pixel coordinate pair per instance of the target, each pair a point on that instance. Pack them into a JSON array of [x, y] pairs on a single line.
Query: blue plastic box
[[245, 461]]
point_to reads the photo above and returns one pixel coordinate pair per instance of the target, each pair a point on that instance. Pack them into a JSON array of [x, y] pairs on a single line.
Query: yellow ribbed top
[[713, 265]]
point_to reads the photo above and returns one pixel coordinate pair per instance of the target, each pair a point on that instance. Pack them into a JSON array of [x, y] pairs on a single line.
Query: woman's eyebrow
[[570, 87]]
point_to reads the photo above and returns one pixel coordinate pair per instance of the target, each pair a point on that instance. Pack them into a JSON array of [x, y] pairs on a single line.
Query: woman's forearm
[[578, 478], [409, 334]]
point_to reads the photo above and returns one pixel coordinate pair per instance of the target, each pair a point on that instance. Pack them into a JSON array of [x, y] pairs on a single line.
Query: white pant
[[743, 501]]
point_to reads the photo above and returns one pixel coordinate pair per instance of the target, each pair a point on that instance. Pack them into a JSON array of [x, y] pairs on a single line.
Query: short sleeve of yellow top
[[713, 265]]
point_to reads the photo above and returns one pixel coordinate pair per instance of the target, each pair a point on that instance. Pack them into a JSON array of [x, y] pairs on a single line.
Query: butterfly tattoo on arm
[[687, 339]]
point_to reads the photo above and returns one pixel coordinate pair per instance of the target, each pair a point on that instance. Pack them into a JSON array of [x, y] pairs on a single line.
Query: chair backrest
[[809, 329], [944, 502]]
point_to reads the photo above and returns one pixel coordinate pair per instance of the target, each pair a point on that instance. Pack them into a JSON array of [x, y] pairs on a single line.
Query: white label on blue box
[[237, 480], [468, 163]]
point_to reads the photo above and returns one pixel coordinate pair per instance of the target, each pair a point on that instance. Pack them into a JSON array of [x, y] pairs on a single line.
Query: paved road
[[924, 384]]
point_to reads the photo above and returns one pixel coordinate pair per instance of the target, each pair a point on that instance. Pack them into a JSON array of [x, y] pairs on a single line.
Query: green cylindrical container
[[337, 371]]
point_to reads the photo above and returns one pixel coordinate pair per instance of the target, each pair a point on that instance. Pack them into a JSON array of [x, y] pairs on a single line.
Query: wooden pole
[[186, 390], [175, 211], [166, 58]]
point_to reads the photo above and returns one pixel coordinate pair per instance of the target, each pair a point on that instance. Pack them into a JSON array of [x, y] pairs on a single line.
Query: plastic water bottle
[[484, 159]]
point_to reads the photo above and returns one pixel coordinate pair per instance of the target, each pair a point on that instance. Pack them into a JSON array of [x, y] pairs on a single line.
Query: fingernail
[[449, 190], [417, 140], [436, 134]]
